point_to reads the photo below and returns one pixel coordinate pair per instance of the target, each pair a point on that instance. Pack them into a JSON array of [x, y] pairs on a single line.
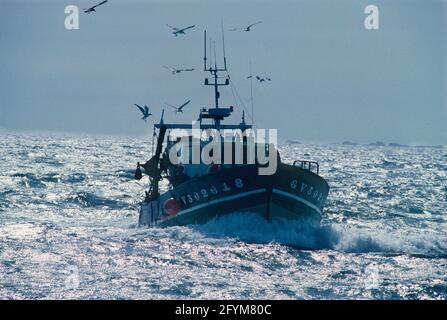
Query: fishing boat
[[201, 190]]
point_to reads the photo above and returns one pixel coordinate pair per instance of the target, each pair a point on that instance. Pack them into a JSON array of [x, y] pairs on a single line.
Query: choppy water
[[68, 229]]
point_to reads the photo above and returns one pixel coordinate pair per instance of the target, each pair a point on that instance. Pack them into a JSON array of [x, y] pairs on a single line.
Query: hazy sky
[[333, 80]]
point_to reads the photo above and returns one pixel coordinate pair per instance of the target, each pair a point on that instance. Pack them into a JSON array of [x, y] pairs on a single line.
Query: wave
[[4, 202], [88, 199], [359, 240], [252, 228], [126, 174], [38, 181], [29, 180], [51, 161], [75, 178], [390, 164]]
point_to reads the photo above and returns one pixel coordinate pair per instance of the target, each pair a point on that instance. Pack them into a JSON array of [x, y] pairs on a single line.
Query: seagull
[[178, 31], [92, 9], [145, 111], [179, 109], [174, 70], [247, 28], [260, 79]]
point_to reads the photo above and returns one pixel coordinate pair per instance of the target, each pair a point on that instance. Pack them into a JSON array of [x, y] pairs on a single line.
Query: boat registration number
[[212, 190]]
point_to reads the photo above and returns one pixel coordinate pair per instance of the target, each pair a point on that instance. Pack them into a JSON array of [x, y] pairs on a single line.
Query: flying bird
[[179, 109], [145, 111], [260, 79], [247, 28], [175, 70], [178, 31], [92, 9]]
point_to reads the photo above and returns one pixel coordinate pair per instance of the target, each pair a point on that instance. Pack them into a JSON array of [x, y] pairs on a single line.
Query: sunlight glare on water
[[68, 229]]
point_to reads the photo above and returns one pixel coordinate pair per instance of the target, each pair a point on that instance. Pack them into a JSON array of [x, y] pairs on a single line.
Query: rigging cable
[[234, 97], [233, 87]]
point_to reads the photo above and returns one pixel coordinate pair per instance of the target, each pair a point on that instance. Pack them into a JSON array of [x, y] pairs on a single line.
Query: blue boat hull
[[291, 193]]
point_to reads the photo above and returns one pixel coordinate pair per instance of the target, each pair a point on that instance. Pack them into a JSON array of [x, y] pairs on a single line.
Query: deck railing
[[311, 166]]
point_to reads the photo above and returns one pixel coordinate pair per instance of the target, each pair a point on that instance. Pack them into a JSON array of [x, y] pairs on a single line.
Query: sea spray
[[252, 228]]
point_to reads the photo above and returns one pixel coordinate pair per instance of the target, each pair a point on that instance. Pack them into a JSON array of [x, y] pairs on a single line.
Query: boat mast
[[152, 166], [214, 73]]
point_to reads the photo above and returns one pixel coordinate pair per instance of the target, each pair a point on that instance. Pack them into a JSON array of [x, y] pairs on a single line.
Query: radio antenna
[[214, 74], [211, 52], [251, 95], [204, 50], [215, 59], [223, 45]]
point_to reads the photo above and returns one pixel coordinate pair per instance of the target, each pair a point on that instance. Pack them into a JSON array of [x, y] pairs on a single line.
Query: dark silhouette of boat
[[202, 191]]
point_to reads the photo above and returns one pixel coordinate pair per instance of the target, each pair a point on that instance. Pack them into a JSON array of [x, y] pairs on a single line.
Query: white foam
[[250, 227]]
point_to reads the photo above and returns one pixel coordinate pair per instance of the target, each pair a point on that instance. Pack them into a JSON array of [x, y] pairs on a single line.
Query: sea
[[68, 228]]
